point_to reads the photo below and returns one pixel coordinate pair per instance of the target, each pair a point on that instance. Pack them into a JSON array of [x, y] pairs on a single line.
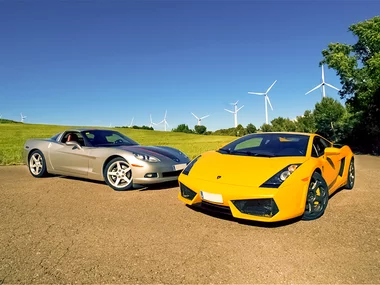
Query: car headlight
[[276, 180], [190, 165], [146, 157]]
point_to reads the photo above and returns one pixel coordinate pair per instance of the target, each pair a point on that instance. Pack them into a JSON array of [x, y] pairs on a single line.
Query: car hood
[[157, 151], [238, 169]]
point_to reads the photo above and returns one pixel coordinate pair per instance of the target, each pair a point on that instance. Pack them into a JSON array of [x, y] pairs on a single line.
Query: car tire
[[350, 175], [317, 198], [118, 174], [37, 164]]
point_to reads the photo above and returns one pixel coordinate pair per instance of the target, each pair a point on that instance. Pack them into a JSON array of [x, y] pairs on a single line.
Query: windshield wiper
[[250, 153], [225, 150]]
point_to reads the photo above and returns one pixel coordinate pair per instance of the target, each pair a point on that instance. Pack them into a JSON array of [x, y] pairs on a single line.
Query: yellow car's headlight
[[276, 180]]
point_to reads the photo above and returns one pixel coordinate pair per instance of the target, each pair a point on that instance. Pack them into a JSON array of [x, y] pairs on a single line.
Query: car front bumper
[[256, 204]]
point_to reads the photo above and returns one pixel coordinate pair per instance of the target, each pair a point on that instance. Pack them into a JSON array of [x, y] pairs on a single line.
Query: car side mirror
[[332, 151], [74, 144]]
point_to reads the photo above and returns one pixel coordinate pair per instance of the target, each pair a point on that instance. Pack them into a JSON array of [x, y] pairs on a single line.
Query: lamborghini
[[103, 155], [269, 177]]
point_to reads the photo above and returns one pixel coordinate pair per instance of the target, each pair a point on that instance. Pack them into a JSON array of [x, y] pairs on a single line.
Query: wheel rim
[[316, 198], [119, 174], [36, 163], [351, 174]]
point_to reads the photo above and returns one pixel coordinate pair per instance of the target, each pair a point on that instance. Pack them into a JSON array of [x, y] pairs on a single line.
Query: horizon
[[101, 63]]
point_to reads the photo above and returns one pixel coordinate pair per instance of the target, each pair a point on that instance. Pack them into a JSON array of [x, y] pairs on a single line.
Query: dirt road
[[61, 230]]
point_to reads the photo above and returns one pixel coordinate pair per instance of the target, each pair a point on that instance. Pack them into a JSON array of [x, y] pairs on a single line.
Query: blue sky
[[101, 62]]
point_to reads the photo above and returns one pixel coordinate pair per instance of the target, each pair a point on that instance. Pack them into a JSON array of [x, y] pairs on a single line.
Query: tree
[[358, 67], [251, 129], [240, 131], [266, 128], [306, 123], [281, 124], [200, 129], [182, 128], [328, 116]]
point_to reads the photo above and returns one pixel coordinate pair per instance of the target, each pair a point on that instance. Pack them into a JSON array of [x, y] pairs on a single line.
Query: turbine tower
[[164, 121], [22, 118], [266, 99], [236, 110], [323, 85], [1, 116], [199, 119], [131, 122]]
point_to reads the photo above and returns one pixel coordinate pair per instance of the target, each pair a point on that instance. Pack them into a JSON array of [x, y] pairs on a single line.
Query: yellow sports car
[[269, 177]]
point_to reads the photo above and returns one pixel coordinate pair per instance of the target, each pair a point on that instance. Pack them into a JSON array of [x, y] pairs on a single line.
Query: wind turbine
[[164, 121], [151, 122], [22, 118], [323, 85], [199, 119], [266, 100], [131, 122], [1, 116], [236, 110]]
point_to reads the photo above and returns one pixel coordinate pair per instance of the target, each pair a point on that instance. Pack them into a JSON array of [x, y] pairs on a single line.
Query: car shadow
[[229, 217], [136, 187]]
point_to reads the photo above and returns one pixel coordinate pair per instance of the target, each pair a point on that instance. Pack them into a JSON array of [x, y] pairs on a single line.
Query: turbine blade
[[233, 104], [329, 85], [271, 86], [267, 98], [195, 116], [239, 109], [204, 117], [232, 112], [256, 93], [166, 113], [314, 89]]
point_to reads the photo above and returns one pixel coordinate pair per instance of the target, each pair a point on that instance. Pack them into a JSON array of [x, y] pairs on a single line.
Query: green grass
[[13, 137]]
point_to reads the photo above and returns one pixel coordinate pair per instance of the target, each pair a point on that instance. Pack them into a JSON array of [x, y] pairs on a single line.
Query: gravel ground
[[62, 230]]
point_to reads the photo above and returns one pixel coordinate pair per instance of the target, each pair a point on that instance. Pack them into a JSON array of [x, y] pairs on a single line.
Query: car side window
[[318, 147], [73, 136]]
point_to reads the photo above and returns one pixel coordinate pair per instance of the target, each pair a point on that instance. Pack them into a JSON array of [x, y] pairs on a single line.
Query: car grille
[[215, 208], [171, 173]]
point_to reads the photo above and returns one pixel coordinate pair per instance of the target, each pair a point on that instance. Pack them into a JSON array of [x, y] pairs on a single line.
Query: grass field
[[13, 137]]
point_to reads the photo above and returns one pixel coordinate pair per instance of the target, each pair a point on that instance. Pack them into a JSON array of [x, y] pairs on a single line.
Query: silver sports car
[[103, 155]]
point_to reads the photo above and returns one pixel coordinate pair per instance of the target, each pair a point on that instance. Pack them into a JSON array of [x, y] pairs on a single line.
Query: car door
[[70, 159], [330, 163]]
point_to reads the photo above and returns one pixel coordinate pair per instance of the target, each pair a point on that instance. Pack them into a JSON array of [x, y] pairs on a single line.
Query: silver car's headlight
[[146, 157]]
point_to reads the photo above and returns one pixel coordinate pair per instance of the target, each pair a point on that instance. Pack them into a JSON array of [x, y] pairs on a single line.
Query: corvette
[[103, 155], [269, 177]]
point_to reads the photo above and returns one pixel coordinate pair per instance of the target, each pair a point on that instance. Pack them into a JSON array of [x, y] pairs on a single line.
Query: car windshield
[[268, 145], [55, 137], [106, 138]]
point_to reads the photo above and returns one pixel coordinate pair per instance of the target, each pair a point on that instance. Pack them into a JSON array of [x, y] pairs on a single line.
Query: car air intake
[[257, 207], [186, 192]]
